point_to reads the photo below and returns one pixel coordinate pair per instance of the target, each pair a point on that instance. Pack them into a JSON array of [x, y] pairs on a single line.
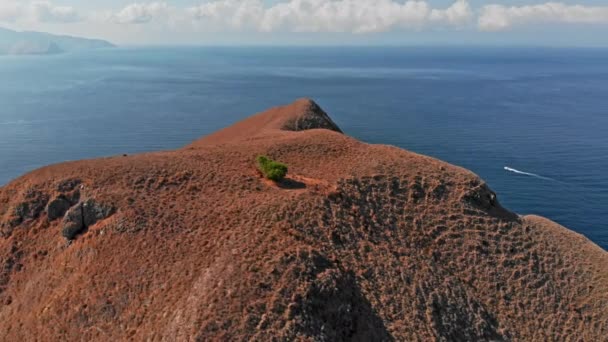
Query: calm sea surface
[[543, 113]]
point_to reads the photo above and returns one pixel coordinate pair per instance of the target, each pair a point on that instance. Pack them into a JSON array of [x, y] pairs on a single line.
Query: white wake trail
[[510, 169]]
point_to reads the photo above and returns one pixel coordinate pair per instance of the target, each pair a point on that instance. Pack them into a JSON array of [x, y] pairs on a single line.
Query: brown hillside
[[362, 242]]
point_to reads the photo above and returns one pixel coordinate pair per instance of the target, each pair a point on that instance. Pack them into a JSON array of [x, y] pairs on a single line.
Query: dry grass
[[378, 244]]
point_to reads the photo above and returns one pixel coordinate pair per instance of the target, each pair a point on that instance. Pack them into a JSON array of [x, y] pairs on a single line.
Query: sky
[[317, 22]]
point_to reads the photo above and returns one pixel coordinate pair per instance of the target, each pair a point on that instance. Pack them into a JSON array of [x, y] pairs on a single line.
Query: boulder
[[58, 207], [73, 222], [83, 215], [93, 212]]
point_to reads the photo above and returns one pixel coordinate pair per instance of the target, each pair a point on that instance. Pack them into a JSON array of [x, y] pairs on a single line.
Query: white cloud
[[345, 16], [499, 17], [163, 20], [460, 13], [141, 13], [37, 12], [356, 16], [44, 11], [231, 14]]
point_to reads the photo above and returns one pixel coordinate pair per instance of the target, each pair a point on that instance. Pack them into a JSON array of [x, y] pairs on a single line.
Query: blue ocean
[[533, 122]]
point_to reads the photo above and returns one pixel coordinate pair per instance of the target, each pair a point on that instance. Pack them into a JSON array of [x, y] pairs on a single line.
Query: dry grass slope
[[362, 242]]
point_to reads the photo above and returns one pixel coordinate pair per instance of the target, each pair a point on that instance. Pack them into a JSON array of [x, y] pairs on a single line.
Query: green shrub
[[271, 169]]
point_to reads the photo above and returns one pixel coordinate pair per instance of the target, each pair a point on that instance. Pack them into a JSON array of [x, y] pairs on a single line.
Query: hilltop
[[361, 242], [39, 43]]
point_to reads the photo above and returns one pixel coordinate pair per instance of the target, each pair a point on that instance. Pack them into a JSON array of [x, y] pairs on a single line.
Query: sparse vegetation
[[271, 169]]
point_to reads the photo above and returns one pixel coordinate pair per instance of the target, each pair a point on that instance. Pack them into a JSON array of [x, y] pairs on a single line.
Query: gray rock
[[73, 222], [31, 208], [93, 212], [83, 215], [58, 207]]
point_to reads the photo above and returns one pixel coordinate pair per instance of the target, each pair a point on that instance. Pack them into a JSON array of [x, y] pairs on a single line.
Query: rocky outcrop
[[480, 196], [82, 216], [35, 201], [31, 208], [58, 207], [310, 116], [73, 222]]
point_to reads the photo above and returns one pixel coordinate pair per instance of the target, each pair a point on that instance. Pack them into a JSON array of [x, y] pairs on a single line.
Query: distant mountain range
[[38, 43]]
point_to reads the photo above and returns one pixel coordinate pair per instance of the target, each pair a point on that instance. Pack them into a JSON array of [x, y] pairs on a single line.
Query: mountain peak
[[305, 114], [302, 115]]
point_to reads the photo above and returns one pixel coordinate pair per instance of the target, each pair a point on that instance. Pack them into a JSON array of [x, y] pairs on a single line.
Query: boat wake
[[530, 174]]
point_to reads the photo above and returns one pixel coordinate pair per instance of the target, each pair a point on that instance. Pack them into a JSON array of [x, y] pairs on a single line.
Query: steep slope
[[362, 242]]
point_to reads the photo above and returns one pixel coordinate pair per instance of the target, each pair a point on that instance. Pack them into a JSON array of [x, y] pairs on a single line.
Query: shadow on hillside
[[291, 184]]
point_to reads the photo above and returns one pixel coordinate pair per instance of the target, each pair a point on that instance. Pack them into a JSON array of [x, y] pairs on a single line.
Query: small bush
[[271, 169]]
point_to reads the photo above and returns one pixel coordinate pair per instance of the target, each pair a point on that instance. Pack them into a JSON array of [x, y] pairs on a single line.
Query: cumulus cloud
[[44, 11], [344, 16], [231, 14], [500, 17], [37, 11], [312, 16], [141, 13], [460, 13], [356, 16]]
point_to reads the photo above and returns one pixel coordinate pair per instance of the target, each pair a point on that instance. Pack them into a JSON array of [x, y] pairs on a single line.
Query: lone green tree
[[271, 169]]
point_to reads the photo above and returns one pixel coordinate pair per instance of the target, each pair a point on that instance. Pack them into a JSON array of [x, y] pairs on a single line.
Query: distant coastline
[[39, 43]]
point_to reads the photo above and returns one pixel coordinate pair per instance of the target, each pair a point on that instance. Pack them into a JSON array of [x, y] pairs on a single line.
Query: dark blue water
[[540, 111]]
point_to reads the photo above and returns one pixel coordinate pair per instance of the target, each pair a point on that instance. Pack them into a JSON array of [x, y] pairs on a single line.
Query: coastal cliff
[[39, 43], [360, 242]]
